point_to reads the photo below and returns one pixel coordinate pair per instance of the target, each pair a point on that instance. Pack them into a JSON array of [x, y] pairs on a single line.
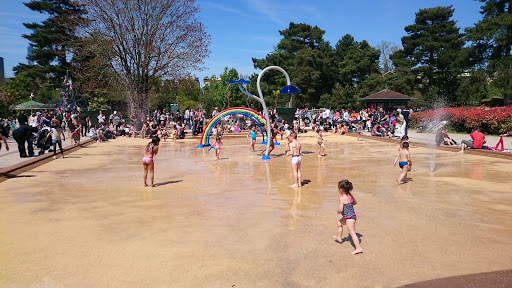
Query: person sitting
[[442, 138], [378, 130], [477, 142]]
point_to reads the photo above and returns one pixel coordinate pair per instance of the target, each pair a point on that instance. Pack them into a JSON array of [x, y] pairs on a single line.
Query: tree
[[492, 41], [307, 58], [152, 39], [432, 49], [386, 49], [50, 41]]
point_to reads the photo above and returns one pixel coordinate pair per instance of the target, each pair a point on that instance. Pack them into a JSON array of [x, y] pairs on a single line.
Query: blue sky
[[244, 29]]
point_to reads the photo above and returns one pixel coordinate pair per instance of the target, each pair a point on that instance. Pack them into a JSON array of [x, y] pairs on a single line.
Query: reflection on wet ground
[[86, 221]]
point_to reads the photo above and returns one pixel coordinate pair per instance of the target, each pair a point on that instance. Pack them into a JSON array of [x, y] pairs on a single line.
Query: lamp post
[[288, 89]]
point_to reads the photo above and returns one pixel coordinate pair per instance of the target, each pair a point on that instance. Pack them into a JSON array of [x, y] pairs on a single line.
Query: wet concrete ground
[[86, 221]]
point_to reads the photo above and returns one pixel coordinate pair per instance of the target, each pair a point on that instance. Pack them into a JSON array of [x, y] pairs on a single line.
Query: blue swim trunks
[[401, 164]]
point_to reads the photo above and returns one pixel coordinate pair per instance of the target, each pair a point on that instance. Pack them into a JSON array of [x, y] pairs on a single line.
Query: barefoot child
[[295, 150], [252, 135], [218, 145], [271, 139], [346, 208], [147, 161], [320, 142], [405, 162]]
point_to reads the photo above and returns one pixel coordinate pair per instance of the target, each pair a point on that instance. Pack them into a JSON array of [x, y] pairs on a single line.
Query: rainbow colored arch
[[253, 114]]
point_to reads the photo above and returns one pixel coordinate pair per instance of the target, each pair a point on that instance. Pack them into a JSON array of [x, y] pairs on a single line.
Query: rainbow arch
[[253, 114]]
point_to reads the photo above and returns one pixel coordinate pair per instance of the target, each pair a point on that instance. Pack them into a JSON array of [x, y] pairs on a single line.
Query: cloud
[[225, 8]]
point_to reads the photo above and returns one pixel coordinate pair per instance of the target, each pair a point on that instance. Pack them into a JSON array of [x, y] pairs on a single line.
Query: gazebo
[[31, 105], [387, 99]]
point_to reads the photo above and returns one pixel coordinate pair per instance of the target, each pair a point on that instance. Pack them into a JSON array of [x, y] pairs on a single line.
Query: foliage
[[152, 39], [492, 43], [432, 50], [488, 120], [307, 58], [98, 104], [50, 41]]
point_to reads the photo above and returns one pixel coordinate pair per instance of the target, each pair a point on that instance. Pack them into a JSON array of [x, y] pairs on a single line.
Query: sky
[[243, 29]]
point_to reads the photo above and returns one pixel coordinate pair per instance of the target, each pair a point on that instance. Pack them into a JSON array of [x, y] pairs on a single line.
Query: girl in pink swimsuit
[[217, 146], [147, 161]]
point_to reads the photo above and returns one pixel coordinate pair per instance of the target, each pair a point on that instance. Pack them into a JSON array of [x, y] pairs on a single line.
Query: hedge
[[491, 121]]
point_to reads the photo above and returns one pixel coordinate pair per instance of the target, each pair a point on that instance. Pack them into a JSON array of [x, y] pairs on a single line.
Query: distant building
[[29, 53], [196, 80], [2, 74], [206, 81], [388, 99]]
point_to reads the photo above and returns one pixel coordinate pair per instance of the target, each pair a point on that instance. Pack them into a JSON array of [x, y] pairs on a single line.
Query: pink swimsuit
[[147, 160]]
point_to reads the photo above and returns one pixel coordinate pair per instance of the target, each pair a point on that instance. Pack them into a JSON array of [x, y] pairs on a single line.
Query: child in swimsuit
[[147, 161], [346, 209], [252, 135], [218, 145], [403, 157], [295, 150], [320, 142]]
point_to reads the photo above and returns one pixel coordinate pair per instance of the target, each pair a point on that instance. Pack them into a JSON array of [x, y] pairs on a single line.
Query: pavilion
[[387, 99]]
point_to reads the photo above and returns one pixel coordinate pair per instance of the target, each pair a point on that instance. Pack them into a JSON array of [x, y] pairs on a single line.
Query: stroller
[[43, 142]]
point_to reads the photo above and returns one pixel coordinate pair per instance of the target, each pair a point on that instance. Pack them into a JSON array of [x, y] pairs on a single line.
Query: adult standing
[[82, 116], [187, 118], [101, 118], [24, 134], [117, 120], [22, 118], [406, 113]]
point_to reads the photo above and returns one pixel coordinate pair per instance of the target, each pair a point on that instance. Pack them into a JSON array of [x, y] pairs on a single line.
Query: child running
[[147, 161], [295, 150], [403, 157], [346, 208], [320, 142], [252, 135], [218, 145], [57, 138]]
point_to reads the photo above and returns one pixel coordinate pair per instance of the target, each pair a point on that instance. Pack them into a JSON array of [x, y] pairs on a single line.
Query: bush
[[493, 121]]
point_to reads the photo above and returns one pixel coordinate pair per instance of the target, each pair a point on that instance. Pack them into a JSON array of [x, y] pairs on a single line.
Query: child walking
[[218, 145], [252, 135], [295, 151], [57, 138], [403, 157], [346, 209], [320, 142], [147, 161]]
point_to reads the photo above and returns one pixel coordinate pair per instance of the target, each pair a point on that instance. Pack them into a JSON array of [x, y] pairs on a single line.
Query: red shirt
[[478, 139]]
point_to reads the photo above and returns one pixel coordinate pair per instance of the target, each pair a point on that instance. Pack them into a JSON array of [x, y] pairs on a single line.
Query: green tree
[[492, 43], [50, 41], [356, 60], [307, 58], [433, 50]]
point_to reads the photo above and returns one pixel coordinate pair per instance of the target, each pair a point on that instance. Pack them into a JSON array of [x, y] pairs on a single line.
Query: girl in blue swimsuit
[[346, 208]]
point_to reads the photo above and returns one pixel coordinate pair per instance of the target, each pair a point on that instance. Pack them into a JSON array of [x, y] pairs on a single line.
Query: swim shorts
[[296, 159]]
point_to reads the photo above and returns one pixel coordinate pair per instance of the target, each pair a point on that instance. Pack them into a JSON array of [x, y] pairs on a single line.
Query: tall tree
[[306, 56], [50, 41], [152, 39], [432, 48], [386, 49], [492, 41]]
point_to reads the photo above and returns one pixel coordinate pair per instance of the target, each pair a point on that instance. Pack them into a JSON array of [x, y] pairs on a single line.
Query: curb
[[16, 169], [479, 152]]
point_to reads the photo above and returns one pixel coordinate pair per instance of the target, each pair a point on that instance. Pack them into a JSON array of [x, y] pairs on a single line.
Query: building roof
[[386, 95], [31, 105]]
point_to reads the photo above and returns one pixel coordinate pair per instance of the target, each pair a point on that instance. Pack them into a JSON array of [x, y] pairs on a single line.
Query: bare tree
[[152, 39], [386, 48]]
